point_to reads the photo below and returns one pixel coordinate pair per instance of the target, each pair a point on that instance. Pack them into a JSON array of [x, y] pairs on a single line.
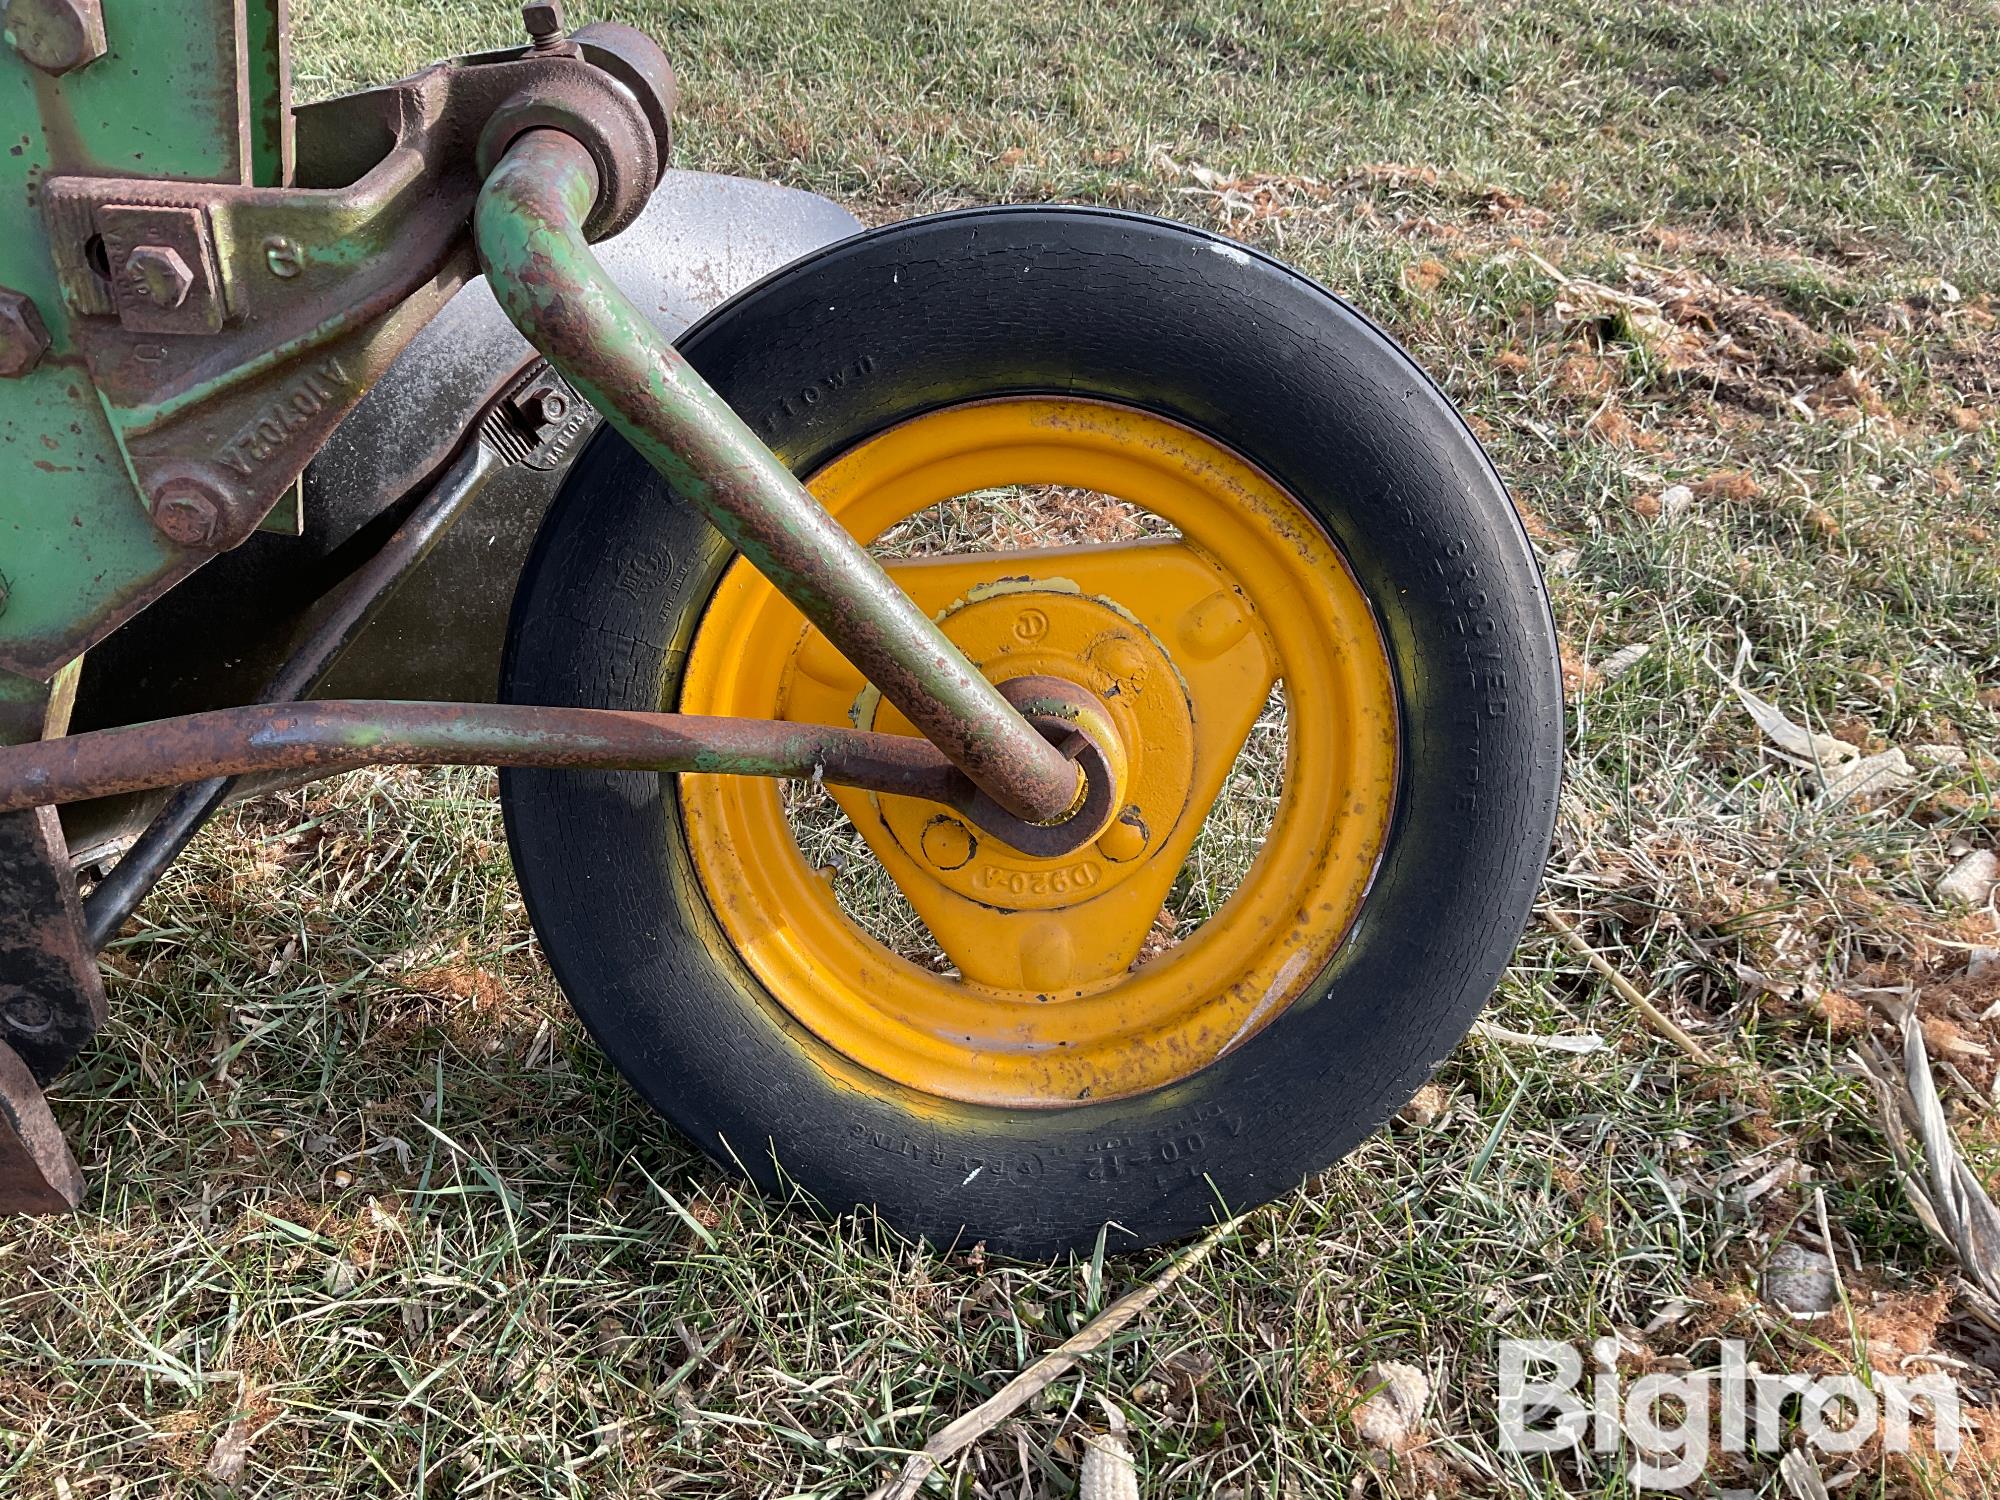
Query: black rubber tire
[[937, 311]]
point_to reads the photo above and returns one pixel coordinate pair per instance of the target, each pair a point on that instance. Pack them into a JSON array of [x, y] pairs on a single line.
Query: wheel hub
[[1064, 926], [1016, 628]]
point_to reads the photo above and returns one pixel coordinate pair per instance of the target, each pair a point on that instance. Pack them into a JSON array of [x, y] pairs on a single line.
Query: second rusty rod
[[529, 230]]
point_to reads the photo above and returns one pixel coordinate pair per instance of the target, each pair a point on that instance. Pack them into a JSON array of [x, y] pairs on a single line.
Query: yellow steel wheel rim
[[1183, 639]]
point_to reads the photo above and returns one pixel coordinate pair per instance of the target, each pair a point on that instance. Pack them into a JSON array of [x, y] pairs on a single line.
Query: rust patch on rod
[[341, 735], [337, 735]]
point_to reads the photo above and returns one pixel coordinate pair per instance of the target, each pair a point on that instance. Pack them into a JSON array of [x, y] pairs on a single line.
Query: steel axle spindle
[[529, 229]]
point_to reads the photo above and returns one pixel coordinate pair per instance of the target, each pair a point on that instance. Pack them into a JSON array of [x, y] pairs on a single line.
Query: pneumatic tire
[[1129, 313]]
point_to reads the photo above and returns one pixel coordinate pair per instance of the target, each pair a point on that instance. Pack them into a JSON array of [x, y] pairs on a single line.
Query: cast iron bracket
[[229, 329]]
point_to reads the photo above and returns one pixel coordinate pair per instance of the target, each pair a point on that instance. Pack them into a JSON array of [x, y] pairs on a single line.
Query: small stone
[[1984, 962], [1392, 1418], [1799, 1280], [1971, 880], [1674, 499], [1424, 1108]]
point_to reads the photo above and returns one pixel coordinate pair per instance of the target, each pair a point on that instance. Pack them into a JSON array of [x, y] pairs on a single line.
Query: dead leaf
[[1820, 749], [1947, 1196], [1623, 660], [1872, 775], [1108, 1472], [1579, 1044], [1392, 1418], [1801, 1476], [231, 1454]]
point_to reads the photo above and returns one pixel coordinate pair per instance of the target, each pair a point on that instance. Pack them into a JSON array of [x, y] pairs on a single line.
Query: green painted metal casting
[[171, 98]]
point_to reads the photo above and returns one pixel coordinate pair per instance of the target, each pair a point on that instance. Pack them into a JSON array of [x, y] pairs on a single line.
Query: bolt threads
[[544, 22]]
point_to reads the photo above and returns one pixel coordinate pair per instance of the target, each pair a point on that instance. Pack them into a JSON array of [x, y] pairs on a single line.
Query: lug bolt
[[947, 843], [23, 339], [160, 275], [186, 512], [544, 21]]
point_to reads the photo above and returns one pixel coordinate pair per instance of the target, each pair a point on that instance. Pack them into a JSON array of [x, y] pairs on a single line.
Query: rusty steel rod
[[529, 230], [336, 735], [359, 597]]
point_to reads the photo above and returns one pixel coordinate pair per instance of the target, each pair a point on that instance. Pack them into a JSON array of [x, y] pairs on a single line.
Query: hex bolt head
[[544, 22], [56, 35], [23, 338], [186, 513], [537, 409], [158, 274]]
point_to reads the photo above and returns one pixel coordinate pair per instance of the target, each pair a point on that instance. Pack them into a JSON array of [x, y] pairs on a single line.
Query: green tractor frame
[[444, 423]]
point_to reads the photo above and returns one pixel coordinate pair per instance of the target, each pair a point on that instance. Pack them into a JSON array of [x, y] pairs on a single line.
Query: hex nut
[[56, 35], [160, 275], [186, 513], [537, 409], [23, 337]]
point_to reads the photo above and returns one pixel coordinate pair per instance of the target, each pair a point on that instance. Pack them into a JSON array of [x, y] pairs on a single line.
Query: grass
[[1714, 282]]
